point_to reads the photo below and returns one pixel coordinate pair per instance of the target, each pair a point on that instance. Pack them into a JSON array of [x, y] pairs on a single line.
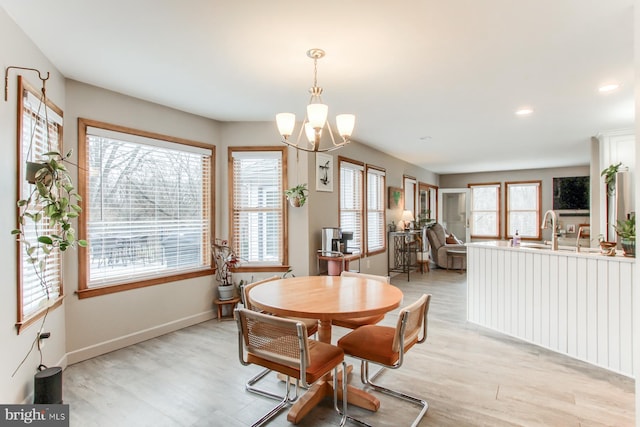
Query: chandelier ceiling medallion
[[316, 119]]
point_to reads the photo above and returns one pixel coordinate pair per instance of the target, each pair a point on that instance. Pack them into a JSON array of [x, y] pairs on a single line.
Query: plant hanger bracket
[[6, 78]]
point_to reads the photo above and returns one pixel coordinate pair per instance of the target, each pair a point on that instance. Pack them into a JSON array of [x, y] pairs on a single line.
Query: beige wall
[[321, 209], [323, 206], [546, 175], [266, 134], [17, 50], [104, 323]]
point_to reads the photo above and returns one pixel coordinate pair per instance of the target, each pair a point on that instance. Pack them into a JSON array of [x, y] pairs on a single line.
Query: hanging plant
[[52, 203], [297, 195]]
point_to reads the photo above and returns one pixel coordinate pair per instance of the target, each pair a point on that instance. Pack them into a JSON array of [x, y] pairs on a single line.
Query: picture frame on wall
[[395, 198], [324, 172]]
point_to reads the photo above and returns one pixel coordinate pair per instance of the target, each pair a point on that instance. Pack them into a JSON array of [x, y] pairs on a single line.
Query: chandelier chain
[[315, 72]]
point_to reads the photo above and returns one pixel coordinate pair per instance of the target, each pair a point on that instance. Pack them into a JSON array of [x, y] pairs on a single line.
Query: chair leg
[[366, 379], [284, 402], [343, 420], [249, 386], [343, 412]]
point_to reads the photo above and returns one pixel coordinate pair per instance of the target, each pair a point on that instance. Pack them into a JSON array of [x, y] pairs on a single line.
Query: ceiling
[[435, 83]]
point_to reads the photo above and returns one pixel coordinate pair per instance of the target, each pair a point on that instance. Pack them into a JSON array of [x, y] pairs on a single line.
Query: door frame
[[467, 193]]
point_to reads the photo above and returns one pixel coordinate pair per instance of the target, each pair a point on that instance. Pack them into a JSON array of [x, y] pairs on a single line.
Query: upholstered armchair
[[438, 237]]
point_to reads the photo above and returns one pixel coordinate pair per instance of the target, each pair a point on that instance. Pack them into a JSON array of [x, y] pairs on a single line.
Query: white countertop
[[542, 248]]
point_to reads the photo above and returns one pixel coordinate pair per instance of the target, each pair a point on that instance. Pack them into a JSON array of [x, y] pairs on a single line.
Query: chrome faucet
[[580, 231], [545, 224]]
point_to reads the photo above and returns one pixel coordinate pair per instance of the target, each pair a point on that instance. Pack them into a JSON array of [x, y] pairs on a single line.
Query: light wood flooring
[[469, 375]]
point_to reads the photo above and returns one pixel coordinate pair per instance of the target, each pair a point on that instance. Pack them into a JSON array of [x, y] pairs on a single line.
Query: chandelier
[[316, 119]]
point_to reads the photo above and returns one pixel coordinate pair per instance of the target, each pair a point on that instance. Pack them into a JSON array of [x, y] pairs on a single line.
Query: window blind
[[375, 209], [149, 207], [36, 138], [351, 204], [257, 207]]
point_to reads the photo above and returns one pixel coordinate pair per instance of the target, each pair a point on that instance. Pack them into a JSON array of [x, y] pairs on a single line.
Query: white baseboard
[[134, 338]]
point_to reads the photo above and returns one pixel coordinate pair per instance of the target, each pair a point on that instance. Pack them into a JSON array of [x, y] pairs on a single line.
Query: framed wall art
[[395, 198], [324, 172]]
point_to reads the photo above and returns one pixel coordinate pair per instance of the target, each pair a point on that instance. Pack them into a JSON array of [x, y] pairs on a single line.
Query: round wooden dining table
[[326, 298]]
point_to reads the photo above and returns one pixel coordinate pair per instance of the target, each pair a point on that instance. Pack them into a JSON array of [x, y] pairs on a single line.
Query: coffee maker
[[346, 236], [331, 237], [335, 240]]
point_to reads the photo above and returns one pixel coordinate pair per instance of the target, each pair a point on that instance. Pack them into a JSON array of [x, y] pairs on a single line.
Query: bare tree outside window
[[148, 208]]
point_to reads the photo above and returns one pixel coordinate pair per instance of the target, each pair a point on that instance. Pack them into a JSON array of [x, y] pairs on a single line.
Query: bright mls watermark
[[34, 415]]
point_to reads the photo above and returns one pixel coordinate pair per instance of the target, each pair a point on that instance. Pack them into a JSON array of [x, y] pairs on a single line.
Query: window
[[257, 218], [523, 209], [351, 201], [375, 210], [148, 208], [485, 210], [40, 131]]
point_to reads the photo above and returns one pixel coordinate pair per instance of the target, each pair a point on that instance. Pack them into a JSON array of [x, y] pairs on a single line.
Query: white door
[[454, 209]]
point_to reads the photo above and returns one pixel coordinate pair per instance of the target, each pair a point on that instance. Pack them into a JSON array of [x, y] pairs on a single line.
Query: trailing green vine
[[609, 175], [55, 200]]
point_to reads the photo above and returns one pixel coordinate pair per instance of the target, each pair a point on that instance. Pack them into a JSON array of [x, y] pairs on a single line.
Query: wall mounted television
[[571, 193]]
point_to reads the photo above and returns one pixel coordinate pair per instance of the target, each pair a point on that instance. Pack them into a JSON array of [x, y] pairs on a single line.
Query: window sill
[[22, 325], [261, 269], [111, 289]]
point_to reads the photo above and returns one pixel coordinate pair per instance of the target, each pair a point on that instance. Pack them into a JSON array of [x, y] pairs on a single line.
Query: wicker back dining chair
[[356, 322], [282, 345], [310, 324], [386, 346]]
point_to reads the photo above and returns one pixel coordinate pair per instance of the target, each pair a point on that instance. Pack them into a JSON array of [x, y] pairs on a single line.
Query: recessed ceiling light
[[425, 138], [608, 87], [524, 112]]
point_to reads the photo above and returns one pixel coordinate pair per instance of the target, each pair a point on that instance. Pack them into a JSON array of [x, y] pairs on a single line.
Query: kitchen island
[[576, 303]]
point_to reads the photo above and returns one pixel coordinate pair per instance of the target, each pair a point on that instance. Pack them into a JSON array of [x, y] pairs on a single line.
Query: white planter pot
[[225, 292]]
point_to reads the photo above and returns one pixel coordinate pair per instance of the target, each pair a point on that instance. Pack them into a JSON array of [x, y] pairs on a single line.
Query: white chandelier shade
[[315, 119]]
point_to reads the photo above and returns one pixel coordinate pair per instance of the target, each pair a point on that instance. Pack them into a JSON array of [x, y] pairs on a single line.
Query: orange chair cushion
[[356, 322], [323, 358], [373, 343]]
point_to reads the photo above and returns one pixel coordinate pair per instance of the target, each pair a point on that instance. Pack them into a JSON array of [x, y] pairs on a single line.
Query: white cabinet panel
[[575, 304]]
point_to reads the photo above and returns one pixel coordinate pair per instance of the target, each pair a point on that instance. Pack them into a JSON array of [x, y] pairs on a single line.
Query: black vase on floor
[[48, 386]]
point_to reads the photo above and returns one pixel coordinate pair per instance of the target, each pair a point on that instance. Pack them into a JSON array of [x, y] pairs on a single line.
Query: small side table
[[221, 303]]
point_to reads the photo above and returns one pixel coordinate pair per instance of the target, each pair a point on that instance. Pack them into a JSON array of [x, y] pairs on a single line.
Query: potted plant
[[297, 195], [225, 260], [627, 231], [51, 205], [606, 248], [609, 175]]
